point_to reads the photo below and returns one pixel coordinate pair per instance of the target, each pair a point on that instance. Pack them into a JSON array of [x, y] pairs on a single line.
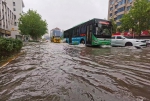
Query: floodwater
[[62, 72]]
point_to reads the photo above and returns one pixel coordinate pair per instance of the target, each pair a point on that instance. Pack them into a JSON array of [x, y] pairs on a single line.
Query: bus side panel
[[77, 40], [100, 41], [95, 41]]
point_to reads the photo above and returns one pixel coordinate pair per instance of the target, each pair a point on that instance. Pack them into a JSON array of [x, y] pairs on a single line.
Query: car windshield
[[127, 37]]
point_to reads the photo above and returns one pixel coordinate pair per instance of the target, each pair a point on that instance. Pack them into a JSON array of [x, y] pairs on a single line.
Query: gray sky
[[65, 14]]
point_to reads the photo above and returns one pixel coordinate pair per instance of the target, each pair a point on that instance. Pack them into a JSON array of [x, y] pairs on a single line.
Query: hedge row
[[9, 46]]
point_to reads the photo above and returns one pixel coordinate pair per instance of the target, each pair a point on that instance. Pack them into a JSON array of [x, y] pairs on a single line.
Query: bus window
[[57, 33], [78, 32], [75, 33], [66, 35], [87, 33], [83, 29], [91, 27]]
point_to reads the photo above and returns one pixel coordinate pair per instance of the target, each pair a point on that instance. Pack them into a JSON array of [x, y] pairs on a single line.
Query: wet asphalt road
[[62, 72]]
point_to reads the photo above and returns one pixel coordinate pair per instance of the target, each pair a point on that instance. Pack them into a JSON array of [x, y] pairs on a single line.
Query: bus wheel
[[82, 41]]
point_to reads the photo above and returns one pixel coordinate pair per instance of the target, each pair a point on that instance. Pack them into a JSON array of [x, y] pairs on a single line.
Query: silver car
[[119, 40]]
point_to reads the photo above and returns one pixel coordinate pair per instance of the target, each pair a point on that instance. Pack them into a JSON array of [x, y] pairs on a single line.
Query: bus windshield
[[103, 30], [57, 33]]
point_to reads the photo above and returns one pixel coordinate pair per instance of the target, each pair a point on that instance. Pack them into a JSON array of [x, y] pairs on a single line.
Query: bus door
[[89, 35], [70, 38]]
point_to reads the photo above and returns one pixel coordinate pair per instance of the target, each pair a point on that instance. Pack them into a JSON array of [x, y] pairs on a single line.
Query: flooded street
[[62, 72]]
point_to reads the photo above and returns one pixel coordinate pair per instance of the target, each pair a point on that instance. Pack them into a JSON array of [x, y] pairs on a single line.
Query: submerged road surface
[[62, 72]]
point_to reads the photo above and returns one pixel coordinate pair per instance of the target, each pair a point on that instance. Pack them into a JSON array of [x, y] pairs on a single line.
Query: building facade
[[117, 8], [6, 19], [15, 8]]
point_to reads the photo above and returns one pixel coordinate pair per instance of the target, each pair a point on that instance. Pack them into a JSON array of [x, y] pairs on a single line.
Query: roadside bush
[[9, 46]]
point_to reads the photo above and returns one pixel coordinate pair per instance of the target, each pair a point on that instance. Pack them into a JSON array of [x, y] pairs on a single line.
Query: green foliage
[[31, 23], [148, 10], [9, 46], [114, 26], [138, 17], [127, 22], [119, 29]]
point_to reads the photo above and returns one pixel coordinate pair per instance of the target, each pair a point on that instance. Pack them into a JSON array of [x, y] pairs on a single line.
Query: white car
[[148, 43], [119, 40]]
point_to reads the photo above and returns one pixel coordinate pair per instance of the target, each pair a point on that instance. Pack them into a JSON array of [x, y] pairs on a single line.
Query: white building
[[16, 7], [6, 19]]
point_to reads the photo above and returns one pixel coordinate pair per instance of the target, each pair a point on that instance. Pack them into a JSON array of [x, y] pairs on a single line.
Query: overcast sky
[[65, 14]]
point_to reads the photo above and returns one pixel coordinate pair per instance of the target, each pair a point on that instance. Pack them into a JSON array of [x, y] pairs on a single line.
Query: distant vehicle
[[55, 35], [119, 40], [94, 32]]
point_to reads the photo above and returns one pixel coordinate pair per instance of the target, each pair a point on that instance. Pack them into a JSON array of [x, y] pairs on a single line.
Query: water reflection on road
[[62, 72]]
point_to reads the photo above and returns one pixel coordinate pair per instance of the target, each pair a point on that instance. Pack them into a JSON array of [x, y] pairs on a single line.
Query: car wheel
[[128, 44], [113, 45]]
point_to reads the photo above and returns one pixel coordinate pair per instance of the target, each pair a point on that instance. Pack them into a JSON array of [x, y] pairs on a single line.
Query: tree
[[31, 23], [148, 11], [138, 17], [114, 26]]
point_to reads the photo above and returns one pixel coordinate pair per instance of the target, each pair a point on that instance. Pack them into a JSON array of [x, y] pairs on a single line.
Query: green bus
[[95, 32]]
